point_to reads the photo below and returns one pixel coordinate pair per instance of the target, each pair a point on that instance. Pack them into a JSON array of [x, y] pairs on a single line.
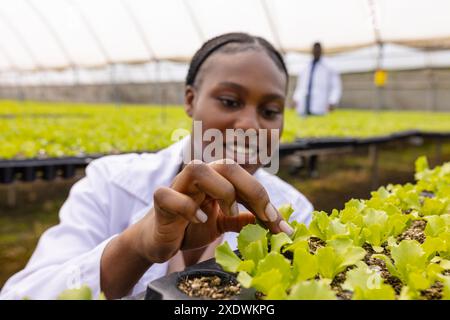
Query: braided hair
[[232, 43]]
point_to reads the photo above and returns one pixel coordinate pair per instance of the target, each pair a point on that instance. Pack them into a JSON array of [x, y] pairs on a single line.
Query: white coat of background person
[[318, 88]]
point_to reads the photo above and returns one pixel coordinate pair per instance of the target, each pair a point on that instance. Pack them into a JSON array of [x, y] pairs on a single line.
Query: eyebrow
[[270, 96]]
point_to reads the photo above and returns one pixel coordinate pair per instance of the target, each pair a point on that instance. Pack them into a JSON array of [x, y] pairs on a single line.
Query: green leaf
[[226, 258], [378, 249], [301, 231], [255, 251], [244, 279], [341, 245], [436, 225], [297, 244], [267, 280], [328, 262], [325, 227], [445, 264], [374, 217], [421, 164], [384, 292], [367, 284], [276, 293], [446, 290], [351, 212], [433, 272], [433, 206], [319, 224], [408, 252], [304, 265], [376, 226], [361, 277], [335, 258], [408, 294], [408, 257], [286, 211], [276, 261], [247, 266], [433, 245], [389, 265], [83, 293], [252, 233], [101, 296], [418, 281], [397, 223], [312, 290], [277, 241]]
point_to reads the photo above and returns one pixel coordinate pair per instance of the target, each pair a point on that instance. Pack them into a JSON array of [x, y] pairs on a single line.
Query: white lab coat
[[116, 192], [326, 88]]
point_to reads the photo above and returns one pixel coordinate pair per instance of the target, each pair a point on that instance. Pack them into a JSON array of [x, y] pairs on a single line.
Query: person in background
[[318, 91], [319, 88]]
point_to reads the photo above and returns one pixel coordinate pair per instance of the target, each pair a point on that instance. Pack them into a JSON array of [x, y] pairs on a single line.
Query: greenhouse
[[224, 150]]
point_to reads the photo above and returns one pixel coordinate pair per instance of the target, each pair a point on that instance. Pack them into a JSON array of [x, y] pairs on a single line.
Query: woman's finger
[[234, 224], [171, 204], [252, 194], [198, 177]]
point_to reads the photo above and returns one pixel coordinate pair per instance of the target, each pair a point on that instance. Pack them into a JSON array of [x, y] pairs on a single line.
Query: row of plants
[[395, 245], [40, 130]]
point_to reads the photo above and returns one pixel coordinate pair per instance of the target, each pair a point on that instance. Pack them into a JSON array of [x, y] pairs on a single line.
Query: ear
[[189, 97]]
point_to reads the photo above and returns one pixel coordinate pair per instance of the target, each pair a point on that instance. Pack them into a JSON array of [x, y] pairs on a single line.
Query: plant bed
[[395, 245]]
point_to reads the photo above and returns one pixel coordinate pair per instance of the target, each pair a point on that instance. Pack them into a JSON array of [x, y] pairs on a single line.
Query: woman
[[134, 218]]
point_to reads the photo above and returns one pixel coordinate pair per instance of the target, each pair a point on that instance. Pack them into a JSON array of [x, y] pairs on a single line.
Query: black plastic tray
[[49, 168]]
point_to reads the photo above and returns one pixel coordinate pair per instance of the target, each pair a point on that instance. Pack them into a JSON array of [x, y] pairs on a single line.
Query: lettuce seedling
[[367, 284], [312, 290], [336, 256]]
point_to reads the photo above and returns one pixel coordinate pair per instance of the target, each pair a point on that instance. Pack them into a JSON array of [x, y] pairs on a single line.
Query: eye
[[270, 113], [230, 102]]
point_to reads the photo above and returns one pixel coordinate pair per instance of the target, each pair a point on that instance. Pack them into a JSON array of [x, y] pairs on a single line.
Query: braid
[[242, 41]]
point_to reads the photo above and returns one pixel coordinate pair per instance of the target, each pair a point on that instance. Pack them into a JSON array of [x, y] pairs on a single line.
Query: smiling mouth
[[248, 154]]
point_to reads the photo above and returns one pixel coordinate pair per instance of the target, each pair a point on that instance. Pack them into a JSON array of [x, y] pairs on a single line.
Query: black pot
[[166, 288]]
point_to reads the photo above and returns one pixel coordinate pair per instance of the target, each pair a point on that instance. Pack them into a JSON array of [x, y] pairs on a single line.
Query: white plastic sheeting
[[396, 57], [58, 34]]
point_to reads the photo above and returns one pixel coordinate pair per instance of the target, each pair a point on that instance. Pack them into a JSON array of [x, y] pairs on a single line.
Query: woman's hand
[[200, 205]]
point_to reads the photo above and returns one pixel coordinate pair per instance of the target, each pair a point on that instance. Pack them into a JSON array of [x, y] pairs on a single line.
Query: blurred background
[[84, 78]]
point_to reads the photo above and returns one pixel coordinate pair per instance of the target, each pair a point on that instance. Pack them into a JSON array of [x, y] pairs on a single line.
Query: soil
[[414, 232], [337, 282], [315, 243], [212, 287], [434, 292], [288, 255], [380, 265]]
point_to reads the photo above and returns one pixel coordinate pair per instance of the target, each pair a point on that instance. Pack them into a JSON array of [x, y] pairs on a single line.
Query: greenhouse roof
[[59, 34]]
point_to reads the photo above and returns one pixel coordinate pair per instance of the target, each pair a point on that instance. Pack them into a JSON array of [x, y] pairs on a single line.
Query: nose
[[247, 118]]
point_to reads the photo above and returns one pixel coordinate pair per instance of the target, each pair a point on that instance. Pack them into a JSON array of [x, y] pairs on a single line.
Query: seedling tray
[[166, 288]]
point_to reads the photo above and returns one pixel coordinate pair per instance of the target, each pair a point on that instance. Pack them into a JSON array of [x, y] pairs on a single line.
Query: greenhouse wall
[[406, 90]]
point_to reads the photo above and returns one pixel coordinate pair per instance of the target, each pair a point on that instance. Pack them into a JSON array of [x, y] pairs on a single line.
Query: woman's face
[[243, 90]]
